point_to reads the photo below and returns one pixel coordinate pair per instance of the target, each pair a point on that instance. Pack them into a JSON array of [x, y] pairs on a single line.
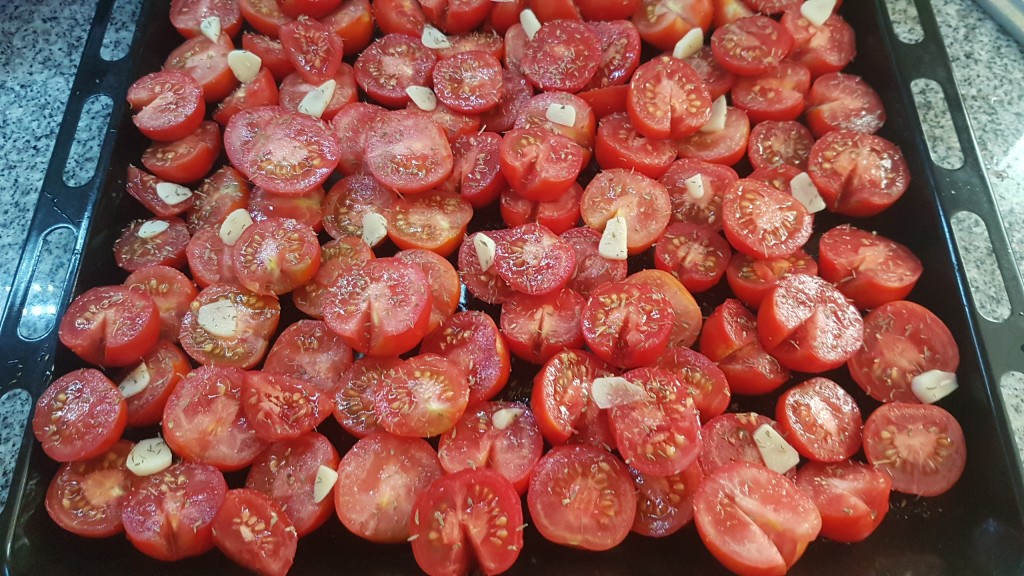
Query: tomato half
[[255, 532], [260, 91], [476, 174], [751, 45], [391, 64], [696, 255], [434, 221], [350, 130], [620, 145], [779, 142], [142, 186], [702, 205], [534, 260], [558, 215], [762, 222], [775, 94], [271, 53], [703, 379], [858, 174], [561, 394], [484, 284], [86, 497], [243, 336], [275, 256], [79, 416], [687, 317], [445, 287], [537, 327], [667, 99], [353, 22], [223, 192], [730, 338], [469, 82], [313, 49], [820, 419], [280, 407], [563, 56], [620, 53], [592, 269], [306, 208], [111, 325], [263, 15], [641, 201], [751, 279], [663, 22], [843, 102], [540, 165], [187, 160], [823, 49], [354, 397], [349, 201], [161, 370], [726, 146], [294, 89], [627, 324], [852, 497], [664, 503], [310, 351], [169, 105], [868, 268], [423, 397], [407, 152], [187, 15], [471, 339]]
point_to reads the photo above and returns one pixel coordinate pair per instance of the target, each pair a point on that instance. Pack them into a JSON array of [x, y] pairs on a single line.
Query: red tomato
[[261, 91], [753, 520], [563, 56], [540, 165], [225, 191], [280, 407], [172, 291], [516, 91], [869, 269], [502, 436], [641, 201], [808, 325], [209, 261], [445, 287], [728, 438], [407, 152], [779, 142], [453, 123], [336, 257], [306, 208], [399, 17], [350, 130], [353, 23], [728, 11], [207, 62], [858, 174], [659, 434], [263, 15], [561, 394], [853, 498], [243, 336], [504, 15], [703, 205], [619, 145], [696, 255], [287, 471], [169, 105], [920, 445], [187, 15], [379, 480], [86, 497], [750, 280], [717, 79], [687, 315], [142, 186], [294, 88], [627, 324], [187, 160], [776, 94], [254, 532], [725, 147], [271, 54], [557, 215], [353, 399], [275, 256], [901, 340], [534, 115], [667, 99], [606, 101], [169, 515], [312, 8], [79, 416], [380, 309], [770, 7], [778, 177], [843, 102], [136, 249], [664, 503], [534, 260], [751, 45], [111, 325], [468, 82], [204, 421], [762, 222], [730, 338], [537, 327], [607, 9], [435, 221], [164, 367], [484, 284], [310, 351], [823, 49], [549, 10], [471, 340], [478, 516], [477, 40], [820, 419], [582, 497], [664, 22], [476, 173], [620, 53], [391, 64], [348, 202], [313, 49], [703, 379], [283, 152], [592, 269], [424, 396]]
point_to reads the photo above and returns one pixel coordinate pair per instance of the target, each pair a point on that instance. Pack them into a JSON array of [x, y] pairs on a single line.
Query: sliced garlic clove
[[172, 194], [806, 193], [695, 187], [422, 97], [612, 391], [136, 381], [485, 250], [234, 225], [434, 38], [149, 456], [316, 101], [218, 318], [689, 44], [614, 242], [778, 455], [210, 27], [502, 419], [531, 25], [933, 385], [244, 64], [375, 228], [152, 228], [561, 114], [719, 113], [326, 478], [817, 11]]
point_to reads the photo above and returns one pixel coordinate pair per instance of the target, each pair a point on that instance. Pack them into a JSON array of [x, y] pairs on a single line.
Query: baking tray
[[976, 528]]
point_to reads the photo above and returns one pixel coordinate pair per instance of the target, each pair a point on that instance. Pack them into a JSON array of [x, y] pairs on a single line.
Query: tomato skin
[[626, 324], [204, 421], [664, 503], [901, 340], [476, 173], [257, 318], [567, 507], [472, 340], [79, 416], [683, 112], [762, 222], [170, 105], [821, 420], [133, 252], [425, 396], [169, 515], [751, 279], [604, 10], [460, 507], [869, 269], [482, 439], [187, 160], [379, 480], [287, 472], [858, 174], [110, 325], [852, 497], [606, 101], [930, 450], [753, 520], [537, 327], [313, 8], [86, 497], [255, 532]]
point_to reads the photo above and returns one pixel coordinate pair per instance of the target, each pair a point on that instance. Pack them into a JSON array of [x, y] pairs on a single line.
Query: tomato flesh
[[86, 497]]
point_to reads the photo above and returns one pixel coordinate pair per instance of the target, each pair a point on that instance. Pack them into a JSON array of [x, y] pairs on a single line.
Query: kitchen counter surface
[[41, 43]]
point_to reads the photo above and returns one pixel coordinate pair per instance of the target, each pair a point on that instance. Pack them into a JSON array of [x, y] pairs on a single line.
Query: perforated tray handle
[[27, 362]]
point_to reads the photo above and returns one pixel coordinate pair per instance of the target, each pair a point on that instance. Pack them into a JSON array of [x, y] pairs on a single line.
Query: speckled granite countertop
[[41, 43]]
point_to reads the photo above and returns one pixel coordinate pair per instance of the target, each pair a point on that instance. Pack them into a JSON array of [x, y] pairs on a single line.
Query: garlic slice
[[315, 102], [806, 193], [422, 97], [326, 478], [375, 228], [485, 250], [152, 228], [434, 38], [172, 194], [778, 455], [719, 113], [136, 381], [689, 44], [933, 385], [614, 244], [531, 25], [219, 318], [244, 64], [609, 391], [695, 187], [502, 419], [149, 456], [561, 114], [817, 11], [210, 27], [234, 225]]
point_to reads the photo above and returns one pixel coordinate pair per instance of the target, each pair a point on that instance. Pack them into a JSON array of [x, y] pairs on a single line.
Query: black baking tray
[[976, 528]]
